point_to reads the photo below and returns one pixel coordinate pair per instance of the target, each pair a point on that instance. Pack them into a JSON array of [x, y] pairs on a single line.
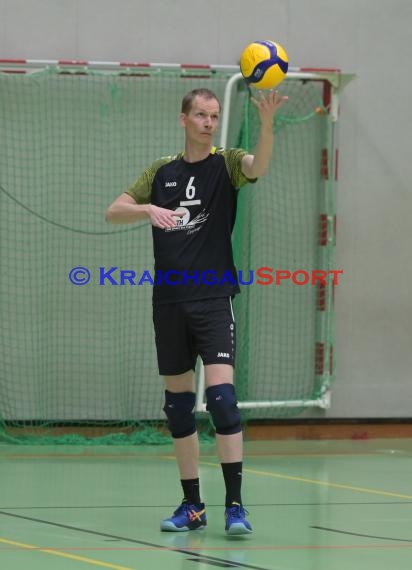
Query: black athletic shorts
[[189, 329]]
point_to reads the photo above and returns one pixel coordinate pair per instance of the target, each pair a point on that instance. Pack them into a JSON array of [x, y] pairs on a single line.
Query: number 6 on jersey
[[190, 194]]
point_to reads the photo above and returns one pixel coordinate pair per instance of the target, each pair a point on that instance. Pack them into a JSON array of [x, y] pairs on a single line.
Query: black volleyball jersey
[[194, 260]]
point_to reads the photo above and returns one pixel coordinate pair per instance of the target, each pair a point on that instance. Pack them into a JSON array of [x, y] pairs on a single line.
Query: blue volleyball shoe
[[236, 522], [187, 516]]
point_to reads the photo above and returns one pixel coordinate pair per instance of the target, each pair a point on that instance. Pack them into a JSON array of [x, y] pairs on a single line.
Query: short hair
[[187, 100]]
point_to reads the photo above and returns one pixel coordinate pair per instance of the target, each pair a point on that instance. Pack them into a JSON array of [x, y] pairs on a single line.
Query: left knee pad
[[222, 406]]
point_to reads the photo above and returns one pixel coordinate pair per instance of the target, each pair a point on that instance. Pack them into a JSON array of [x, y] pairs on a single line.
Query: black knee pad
[[180, 411], [222, 405]]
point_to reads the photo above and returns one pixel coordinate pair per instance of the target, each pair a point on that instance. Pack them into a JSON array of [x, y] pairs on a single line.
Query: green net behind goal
[[76, 356], [277, 230]]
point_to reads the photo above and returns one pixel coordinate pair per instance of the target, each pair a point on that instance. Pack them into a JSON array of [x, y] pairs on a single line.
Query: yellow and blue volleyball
[[264, 64]]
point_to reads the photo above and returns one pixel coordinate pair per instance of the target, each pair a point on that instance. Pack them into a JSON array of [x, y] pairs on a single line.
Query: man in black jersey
[[190, 200]]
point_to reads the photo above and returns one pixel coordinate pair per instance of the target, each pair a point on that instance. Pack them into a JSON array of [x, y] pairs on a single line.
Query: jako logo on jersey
[[170, 184], [223, 355]]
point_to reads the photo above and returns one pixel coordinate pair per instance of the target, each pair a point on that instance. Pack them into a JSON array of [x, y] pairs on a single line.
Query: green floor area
[[324, 505]]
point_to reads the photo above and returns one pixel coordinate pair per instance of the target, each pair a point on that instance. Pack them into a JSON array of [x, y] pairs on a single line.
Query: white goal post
[[334, 82]]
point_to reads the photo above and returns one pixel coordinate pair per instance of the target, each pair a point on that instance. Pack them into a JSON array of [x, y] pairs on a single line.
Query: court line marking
[[280, 455], [192, 549], [200, 557], [276, 504], [64, 554], [339, 531], [312, 481]]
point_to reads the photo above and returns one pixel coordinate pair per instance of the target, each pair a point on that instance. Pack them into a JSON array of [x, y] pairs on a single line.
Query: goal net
[[77, 356]]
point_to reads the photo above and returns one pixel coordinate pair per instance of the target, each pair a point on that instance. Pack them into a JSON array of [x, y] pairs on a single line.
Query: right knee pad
[[180, 411]]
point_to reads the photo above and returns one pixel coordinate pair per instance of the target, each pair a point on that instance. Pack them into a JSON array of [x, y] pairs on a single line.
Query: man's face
[[202, 120]]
